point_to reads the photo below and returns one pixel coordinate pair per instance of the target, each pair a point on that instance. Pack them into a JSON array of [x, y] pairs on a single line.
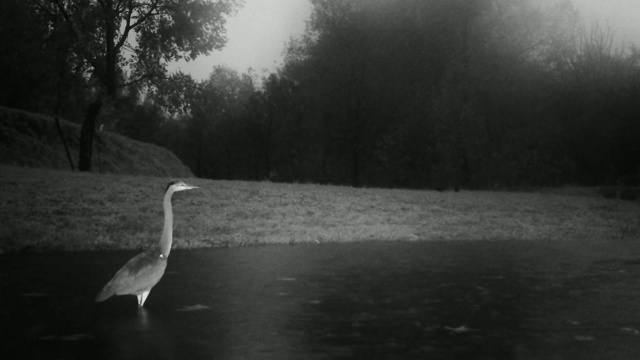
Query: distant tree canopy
[[393, 93], [476, 94]]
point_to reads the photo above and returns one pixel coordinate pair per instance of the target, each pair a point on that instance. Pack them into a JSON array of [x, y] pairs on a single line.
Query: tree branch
[[142, 78], [78, 35], [127, 28], [143, 18], [119, 4], [67, 18]]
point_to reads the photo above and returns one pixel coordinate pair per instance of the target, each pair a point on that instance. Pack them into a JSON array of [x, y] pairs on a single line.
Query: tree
[[137, 115], [210, 112], [139, 36], [34, 72], [339, 68], [598, 92], [431, 93]]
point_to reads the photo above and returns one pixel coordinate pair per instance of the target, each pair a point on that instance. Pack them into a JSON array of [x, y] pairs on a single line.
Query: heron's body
[[137, 276], [140, 274]]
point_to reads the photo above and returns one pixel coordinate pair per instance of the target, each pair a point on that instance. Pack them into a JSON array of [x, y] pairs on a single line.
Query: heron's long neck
[[167, 230]]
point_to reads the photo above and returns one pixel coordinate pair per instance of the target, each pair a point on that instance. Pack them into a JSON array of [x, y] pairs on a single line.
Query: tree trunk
[[199, 152], [111, 55], [86, 135], [64, 142], [355, 161], [354, 116]]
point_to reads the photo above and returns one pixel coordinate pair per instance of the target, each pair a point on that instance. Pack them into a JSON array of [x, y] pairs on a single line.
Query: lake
[[374, 300]]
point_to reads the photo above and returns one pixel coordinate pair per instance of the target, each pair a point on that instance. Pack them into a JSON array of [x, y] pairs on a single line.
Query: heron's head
[[179, 185]]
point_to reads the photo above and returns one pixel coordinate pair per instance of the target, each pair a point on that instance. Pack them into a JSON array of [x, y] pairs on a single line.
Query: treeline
[[407, 93]]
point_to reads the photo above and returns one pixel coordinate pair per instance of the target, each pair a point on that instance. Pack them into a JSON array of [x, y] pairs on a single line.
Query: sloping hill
[[32, 140]]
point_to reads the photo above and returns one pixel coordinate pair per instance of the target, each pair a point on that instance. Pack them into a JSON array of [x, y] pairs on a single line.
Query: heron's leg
[[142, 298]]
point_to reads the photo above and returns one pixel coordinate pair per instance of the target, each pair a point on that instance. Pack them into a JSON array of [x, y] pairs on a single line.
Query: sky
[[623, 16], [256, 37], [258, 32]]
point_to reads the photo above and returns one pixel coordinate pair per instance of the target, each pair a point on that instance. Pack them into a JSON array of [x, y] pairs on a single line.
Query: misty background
[[259, 31], [419, 94]]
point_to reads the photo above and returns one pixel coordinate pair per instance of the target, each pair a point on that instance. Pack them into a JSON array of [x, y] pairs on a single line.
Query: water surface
[[377, 300]]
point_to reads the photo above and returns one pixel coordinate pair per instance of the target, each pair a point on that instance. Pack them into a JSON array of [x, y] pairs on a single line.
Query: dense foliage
[[104, 45], [408, 93]]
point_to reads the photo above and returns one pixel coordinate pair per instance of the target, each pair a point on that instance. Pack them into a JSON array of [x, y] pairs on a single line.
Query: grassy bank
[[48, 210], [28, 139]]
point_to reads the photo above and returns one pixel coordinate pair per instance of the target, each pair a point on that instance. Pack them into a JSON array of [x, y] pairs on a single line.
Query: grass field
[[60, 210]]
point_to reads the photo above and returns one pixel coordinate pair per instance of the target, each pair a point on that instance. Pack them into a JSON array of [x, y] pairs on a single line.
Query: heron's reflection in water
[[141, 336], [143, 317]]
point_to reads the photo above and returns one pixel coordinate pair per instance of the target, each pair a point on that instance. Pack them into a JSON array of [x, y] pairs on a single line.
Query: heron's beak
[[189, 187]]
